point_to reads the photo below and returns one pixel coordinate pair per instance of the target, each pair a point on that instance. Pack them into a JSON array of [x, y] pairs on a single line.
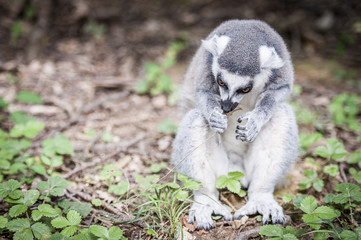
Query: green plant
[[167, 127], [334, 149], [29, 97], [344, 109], [112, 175], [113, 233], [231, 182], [16, 32], [355, 158], [308, 140], [94, 28], [349, 196], [305, 116], [165, 203], [156, 80], [311, 180], [280, 233]]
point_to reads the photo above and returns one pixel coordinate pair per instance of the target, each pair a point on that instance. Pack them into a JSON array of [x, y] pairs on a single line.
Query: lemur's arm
[[208, 100]]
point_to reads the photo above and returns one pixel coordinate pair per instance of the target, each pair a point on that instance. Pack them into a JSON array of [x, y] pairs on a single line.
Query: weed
[[231, 182], [156, 80]]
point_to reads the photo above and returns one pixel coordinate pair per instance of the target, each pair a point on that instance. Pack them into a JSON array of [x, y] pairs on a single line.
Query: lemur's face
[[232, 87], [240, 69]]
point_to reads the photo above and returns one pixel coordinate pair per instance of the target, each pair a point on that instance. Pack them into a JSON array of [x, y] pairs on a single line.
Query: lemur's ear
[[269, 58], [216, 44]]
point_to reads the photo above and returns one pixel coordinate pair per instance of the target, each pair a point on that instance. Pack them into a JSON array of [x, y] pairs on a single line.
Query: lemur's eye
[[244, 90], [221, 83]]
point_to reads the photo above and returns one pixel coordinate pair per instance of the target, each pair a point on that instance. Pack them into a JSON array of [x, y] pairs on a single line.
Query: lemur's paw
[[248, 131], [218, 121], [202, 214], [266, 206]]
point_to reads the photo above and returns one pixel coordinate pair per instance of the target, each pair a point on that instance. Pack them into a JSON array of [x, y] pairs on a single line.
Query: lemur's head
[[239, 68]]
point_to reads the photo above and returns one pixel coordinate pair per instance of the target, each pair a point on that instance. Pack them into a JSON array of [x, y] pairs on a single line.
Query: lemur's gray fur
[[242, 64]]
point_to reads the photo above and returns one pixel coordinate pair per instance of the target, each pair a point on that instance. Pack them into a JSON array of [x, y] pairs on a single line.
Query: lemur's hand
[[249, 131], [218, 120]]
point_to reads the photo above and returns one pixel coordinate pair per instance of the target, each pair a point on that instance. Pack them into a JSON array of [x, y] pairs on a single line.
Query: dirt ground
[[87, 82]]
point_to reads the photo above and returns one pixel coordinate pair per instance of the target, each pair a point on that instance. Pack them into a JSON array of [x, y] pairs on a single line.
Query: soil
[[87, 81]]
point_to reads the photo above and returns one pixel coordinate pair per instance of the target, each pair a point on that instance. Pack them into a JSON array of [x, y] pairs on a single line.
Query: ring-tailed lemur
[[242, 64]]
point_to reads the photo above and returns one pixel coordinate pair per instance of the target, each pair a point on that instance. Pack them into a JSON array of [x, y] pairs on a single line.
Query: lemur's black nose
[[228, 105]]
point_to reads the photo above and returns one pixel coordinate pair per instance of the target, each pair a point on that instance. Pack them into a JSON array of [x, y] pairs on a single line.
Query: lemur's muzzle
[[228, 105]]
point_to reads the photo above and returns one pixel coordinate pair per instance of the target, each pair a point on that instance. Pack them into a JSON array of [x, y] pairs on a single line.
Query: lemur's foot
[[202, 213], [264, 205], [218, 121]]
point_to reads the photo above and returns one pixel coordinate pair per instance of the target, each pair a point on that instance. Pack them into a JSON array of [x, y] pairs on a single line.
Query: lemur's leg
[[196, 146], [270, 156]]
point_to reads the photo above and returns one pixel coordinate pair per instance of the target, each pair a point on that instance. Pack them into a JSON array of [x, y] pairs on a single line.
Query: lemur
[[242, 65]]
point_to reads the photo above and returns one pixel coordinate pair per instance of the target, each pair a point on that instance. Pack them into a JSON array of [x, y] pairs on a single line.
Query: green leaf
[[36, 215], [3, 221], [318, 184], [310, 173], [73, 217], [18, 224], [346, 187], [147, 181], [341, 198], [99, 231], [182, 195], [59, 144], [119, 189], [167, 127], [308, 204], [235, 175], [47, 210], [31, 197], [29, 97], [69, 231], [192, 185], [3, 104], [305, 183], [312, 221], [356, 175], [96, 202], [13, 184], [321, 236], [233, 185], [271, 231], [107, 137], [40, 230], [42, 186], [289, 236], [308, 140], [348, 235], [288, 197], [4, 190], [155, 168], [30, 129], [17, 210], [324, 212], [329, 198], [20, 117], [25, 234], [58, 236], [115, 233], [355, 157], [331, 170], [57, 181], [322, 151], [39, 169], [221, 181], [60, 222]]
